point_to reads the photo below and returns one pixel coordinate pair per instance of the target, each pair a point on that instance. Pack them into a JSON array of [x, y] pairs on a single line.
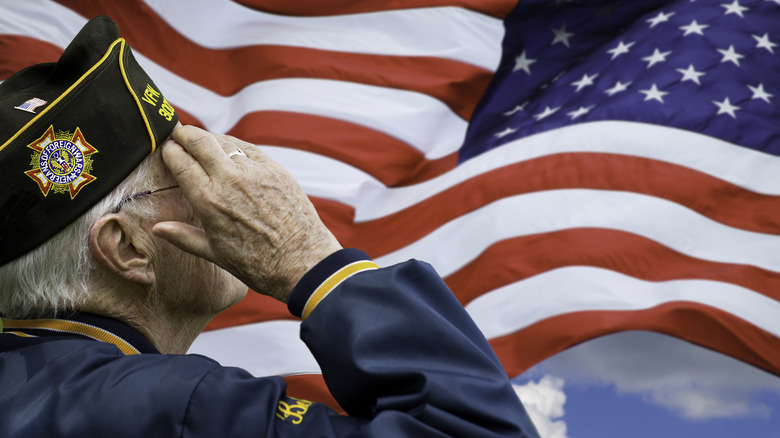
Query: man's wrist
[[319, 281]]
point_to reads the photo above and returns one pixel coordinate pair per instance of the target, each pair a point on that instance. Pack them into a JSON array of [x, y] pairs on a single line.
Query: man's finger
[[203, 146], [251, 150], [185, 237], [185, 169]]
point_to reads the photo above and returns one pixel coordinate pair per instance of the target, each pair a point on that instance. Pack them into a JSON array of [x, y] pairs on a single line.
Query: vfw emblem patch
[[61, 162]]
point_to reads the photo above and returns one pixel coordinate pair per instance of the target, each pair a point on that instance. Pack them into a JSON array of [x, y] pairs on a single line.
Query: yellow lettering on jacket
[[295, 410]]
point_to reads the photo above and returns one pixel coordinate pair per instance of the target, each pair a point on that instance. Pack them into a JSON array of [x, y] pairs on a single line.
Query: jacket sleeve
[[395, 346], [397, 351]]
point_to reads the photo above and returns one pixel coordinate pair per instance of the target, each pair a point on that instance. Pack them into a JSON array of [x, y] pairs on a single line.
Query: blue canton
[[711, 66]]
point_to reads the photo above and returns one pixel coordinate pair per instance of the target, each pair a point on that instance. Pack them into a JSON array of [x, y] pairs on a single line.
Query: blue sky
[[643, 385], [598, 411]]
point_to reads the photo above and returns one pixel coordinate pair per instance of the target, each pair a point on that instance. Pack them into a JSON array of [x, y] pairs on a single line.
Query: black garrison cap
[[70, 132]]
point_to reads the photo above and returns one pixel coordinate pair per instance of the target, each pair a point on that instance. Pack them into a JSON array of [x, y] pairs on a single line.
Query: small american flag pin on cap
[[31, 105]]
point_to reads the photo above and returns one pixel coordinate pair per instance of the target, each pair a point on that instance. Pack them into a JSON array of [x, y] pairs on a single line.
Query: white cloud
[[703, 403], [544, 402], [688, 380]]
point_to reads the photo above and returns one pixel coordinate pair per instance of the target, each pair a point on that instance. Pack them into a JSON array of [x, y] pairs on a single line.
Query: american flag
[[31, 104], [571, 168]]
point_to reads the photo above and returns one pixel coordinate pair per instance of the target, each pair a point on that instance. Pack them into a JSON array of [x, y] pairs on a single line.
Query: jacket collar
[[17, 333]]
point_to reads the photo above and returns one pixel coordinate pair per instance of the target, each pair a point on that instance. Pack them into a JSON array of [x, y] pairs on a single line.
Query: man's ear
[[111, 243]]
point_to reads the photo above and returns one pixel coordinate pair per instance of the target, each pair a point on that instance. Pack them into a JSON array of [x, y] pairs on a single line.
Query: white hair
[[54, 276]]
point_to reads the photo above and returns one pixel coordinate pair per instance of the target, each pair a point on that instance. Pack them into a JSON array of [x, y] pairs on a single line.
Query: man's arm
[[395, 346], [397, 350]]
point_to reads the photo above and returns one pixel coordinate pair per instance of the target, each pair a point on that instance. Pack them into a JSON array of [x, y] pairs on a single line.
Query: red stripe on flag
[[384, 157], [19, 52], [513, 260], [696, 323], [495, 8]]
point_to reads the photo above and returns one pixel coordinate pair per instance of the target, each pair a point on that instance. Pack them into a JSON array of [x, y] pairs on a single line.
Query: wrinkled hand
[[258, 224]]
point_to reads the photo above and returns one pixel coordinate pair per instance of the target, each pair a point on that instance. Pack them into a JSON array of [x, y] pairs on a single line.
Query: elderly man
[[100, 303]]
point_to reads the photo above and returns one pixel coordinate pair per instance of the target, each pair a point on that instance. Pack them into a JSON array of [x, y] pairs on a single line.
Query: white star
[[620, 49], [694, 27], [516, 109], [654, 93], [656, 57], [580, 112], [734, 8], [690, 74], [618, 88], [726, 107], [584, 82], [561, 36], [505, 132], [660, 18], [730, 55], [759, 93], [546, 113], [776, 1], [763, 42], [523, 63]]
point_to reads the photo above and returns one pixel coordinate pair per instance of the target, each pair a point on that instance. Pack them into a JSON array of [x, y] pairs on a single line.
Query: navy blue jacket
[[397, 350]]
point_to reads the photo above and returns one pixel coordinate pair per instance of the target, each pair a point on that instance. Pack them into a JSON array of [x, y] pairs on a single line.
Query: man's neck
[[169, 336], [169, 332]]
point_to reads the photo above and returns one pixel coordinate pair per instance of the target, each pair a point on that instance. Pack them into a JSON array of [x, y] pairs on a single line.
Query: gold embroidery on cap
[[151, 95], [61, 162], [166, 109]]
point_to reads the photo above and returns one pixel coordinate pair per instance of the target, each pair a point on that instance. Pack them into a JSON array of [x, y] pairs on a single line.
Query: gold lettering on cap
[[151, 95], [166, 110]]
